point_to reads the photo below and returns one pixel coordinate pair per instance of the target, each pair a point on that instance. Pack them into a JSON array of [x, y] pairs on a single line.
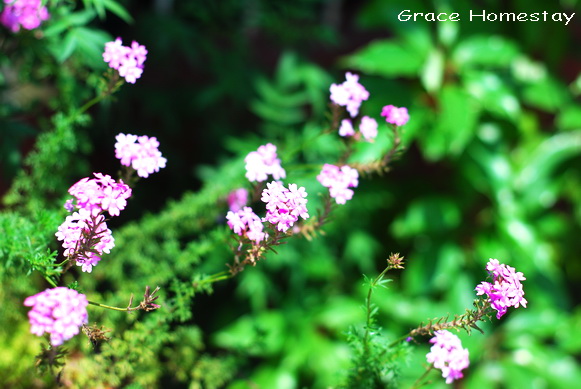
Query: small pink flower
[[395, 115], [28, 14], [237, 199], [338, 180], [284, 206], [349, 94], [263, 163], [142, 156], [127, 60], [245, 222], [368, 128], [448, 355], [59, 312], [346, 128]]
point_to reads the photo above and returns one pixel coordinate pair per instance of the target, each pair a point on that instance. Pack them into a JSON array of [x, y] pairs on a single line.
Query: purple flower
[[237, 199], [368, 128], [27, 14], [506, 288], [448, 355], [349, 94], [262, 163], [338, 180], [346, 128], [85, 237], [101, 194], [142, 156], [395, 115], [284, 206], [59, 312], [127, 60], [245, 222]]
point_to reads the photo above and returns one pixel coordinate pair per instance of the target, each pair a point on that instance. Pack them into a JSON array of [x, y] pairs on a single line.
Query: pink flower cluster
[[85, 237], [262, 163], [101, 194], [142, 156], [506, 288], [246, 223], [395, 115], [84, 234], [237, 199], [367, 127], [284, 206], [59, 312], [448, 355], [349, 94], [339, 180], [127, 60], [27, 14]]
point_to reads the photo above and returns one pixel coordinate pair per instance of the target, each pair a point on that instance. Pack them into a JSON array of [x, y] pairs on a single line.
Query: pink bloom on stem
[[28, 14], [448, 355], [395, 115], [284, 206], [237, 199], [59, 312], [127, 60], [346, 128], [349, 94], [506, 288], [262, 163], [339, 180], [245, 222], [142, 156], [368, 128], [101, 193], [85, 236]]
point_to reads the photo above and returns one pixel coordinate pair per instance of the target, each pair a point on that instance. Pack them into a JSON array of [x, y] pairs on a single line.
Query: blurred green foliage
[[491, 169]]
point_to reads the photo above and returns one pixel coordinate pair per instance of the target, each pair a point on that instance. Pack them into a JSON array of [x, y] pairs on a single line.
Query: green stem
[[368, 308], [50, 281], [418, 383], [223, 275], [113, 308]]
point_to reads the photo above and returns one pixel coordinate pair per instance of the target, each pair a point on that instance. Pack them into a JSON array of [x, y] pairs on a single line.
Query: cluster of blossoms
[[59, 312], [262, 163], [139, 152], [339, 180], [448, 355], [395, 115], [84, 233], [284, 206], [101, 194], [349, 94], [506, 288], [127, 60], [27, 14], [245, 222], [367, 127], [85, 237]]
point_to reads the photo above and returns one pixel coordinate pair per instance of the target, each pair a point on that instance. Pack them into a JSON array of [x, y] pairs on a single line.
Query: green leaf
[[570, 118], [486, 51], [68, 46], [118, 10], [433, 71], [547, 94], [493, 93], [387, 58]]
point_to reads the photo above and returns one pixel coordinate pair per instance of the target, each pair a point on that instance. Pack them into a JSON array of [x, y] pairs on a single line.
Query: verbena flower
[[395, 115], [101, 193], [506, 288], [85, 237], [339, 180], [245, 222], [349, 94], [139, 152], [27, 14], [368, 128], [127, 60], [237, 199], [448, 355], [284, 206], [59, 312], [263, 163], [346, 128]]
